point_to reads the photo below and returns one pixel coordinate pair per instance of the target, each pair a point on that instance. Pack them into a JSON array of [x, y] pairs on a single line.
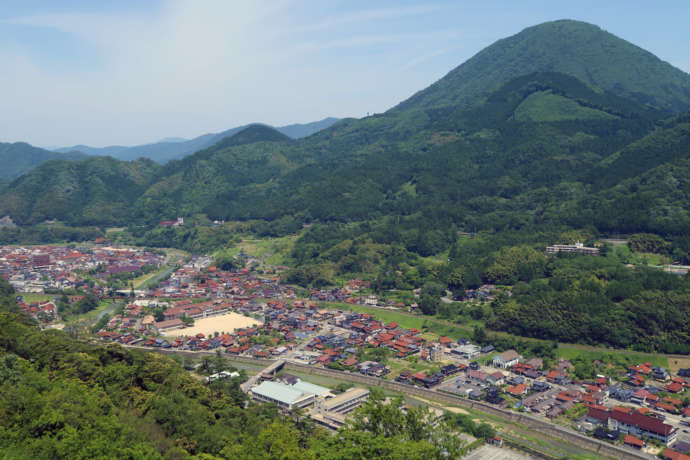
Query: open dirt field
[[221, 323], [675, 363]]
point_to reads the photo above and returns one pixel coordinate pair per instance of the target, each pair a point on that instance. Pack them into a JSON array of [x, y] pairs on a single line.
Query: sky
[[133, 72]]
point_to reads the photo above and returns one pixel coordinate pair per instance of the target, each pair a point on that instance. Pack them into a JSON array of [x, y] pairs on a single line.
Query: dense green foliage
[[54, 233], [19, 158], [96, 190], [577, 299], [582, 50], [88, 303]]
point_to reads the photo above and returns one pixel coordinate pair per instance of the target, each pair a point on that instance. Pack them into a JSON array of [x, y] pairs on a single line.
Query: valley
[[495, 267]]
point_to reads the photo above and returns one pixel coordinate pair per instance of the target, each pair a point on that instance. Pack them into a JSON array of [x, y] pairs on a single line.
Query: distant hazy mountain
[[20, 157], [171, 148], [574, 48], [298, 131]]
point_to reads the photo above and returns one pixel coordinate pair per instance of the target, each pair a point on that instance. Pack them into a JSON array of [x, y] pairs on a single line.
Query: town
[[251, 315]]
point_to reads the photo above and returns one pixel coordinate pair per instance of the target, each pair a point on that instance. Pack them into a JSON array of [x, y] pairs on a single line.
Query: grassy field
[[625, 255], [91, 316], [270, 251], [609, 355], [33, 298], [429, 325]]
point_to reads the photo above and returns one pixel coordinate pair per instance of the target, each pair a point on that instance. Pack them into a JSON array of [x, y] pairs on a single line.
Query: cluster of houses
[[37, 269], [197, 280], [44, 312], [352, 295], [551, 393]]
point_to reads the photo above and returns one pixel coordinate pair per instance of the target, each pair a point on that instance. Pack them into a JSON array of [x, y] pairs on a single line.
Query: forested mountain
[[582, 50], [20, 157], [176, 148], [94, 190], [536, 148]]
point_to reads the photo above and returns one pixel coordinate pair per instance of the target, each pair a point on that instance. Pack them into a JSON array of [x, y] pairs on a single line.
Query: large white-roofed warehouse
[[285, 396]]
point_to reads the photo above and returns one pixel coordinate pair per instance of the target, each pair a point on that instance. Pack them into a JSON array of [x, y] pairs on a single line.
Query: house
[[659, 373], [536, 363], [540, 386], [493, 396], [477, 375], [633, 441], [674, 387], [671, 454], [445, 341], [495, 441], [169, 325], [518, 390], [620, 394], [496, 378], [467, 351], [643, 396], [507, 359], [436, 353]]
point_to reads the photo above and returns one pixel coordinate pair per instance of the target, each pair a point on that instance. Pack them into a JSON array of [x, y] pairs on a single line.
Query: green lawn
[[90, 316]]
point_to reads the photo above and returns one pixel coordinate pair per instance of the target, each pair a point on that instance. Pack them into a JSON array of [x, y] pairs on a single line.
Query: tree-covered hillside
[[96, 190], [575, 48], [502, 164], [20, 157]]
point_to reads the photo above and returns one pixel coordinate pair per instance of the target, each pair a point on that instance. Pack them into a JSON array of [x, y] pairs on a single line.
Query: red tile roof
[[633, 441], [651, 424]]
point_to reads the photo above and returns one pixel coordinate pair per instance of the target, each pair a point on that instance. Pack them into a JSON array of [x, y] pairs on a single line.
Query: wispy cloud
[[414, 62], [375, 14]]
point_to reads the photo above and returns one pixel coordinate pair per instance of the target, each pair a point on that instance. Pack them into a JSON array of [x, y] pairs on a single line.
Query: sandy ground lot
[[221, 323], [497, 453]]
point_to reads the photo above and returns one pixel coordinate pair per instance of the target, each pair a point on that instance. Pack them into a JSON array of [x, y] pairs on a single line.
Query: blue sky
[[129, 72]]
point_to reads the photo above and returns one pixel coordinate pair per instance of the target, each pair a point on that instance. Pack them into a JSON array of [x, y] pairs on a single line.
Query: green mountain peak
[[585, 51]]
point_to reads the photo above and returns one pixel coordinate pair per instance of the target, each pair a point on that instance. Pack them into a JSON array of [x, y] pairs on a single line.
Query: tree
[[479, 334], [428, 304]]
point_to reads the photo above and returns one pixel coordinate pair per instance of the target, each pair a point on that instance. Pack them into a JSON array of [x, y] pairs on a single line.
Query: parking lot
[[457, 385]]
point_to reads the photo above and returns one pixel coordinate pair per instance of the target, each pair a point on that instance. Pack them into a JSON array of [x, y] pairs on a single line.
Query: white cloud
[[197, 67]]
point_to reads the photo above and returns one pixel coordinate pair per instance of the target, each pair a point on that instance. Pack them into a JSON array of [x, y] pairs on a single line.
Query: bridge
[[267, 374]]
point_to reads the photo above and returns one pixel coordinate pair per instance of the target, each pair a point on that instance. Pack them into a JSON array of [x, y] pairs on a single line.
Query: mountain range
[[176, 148], [548, 126]]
